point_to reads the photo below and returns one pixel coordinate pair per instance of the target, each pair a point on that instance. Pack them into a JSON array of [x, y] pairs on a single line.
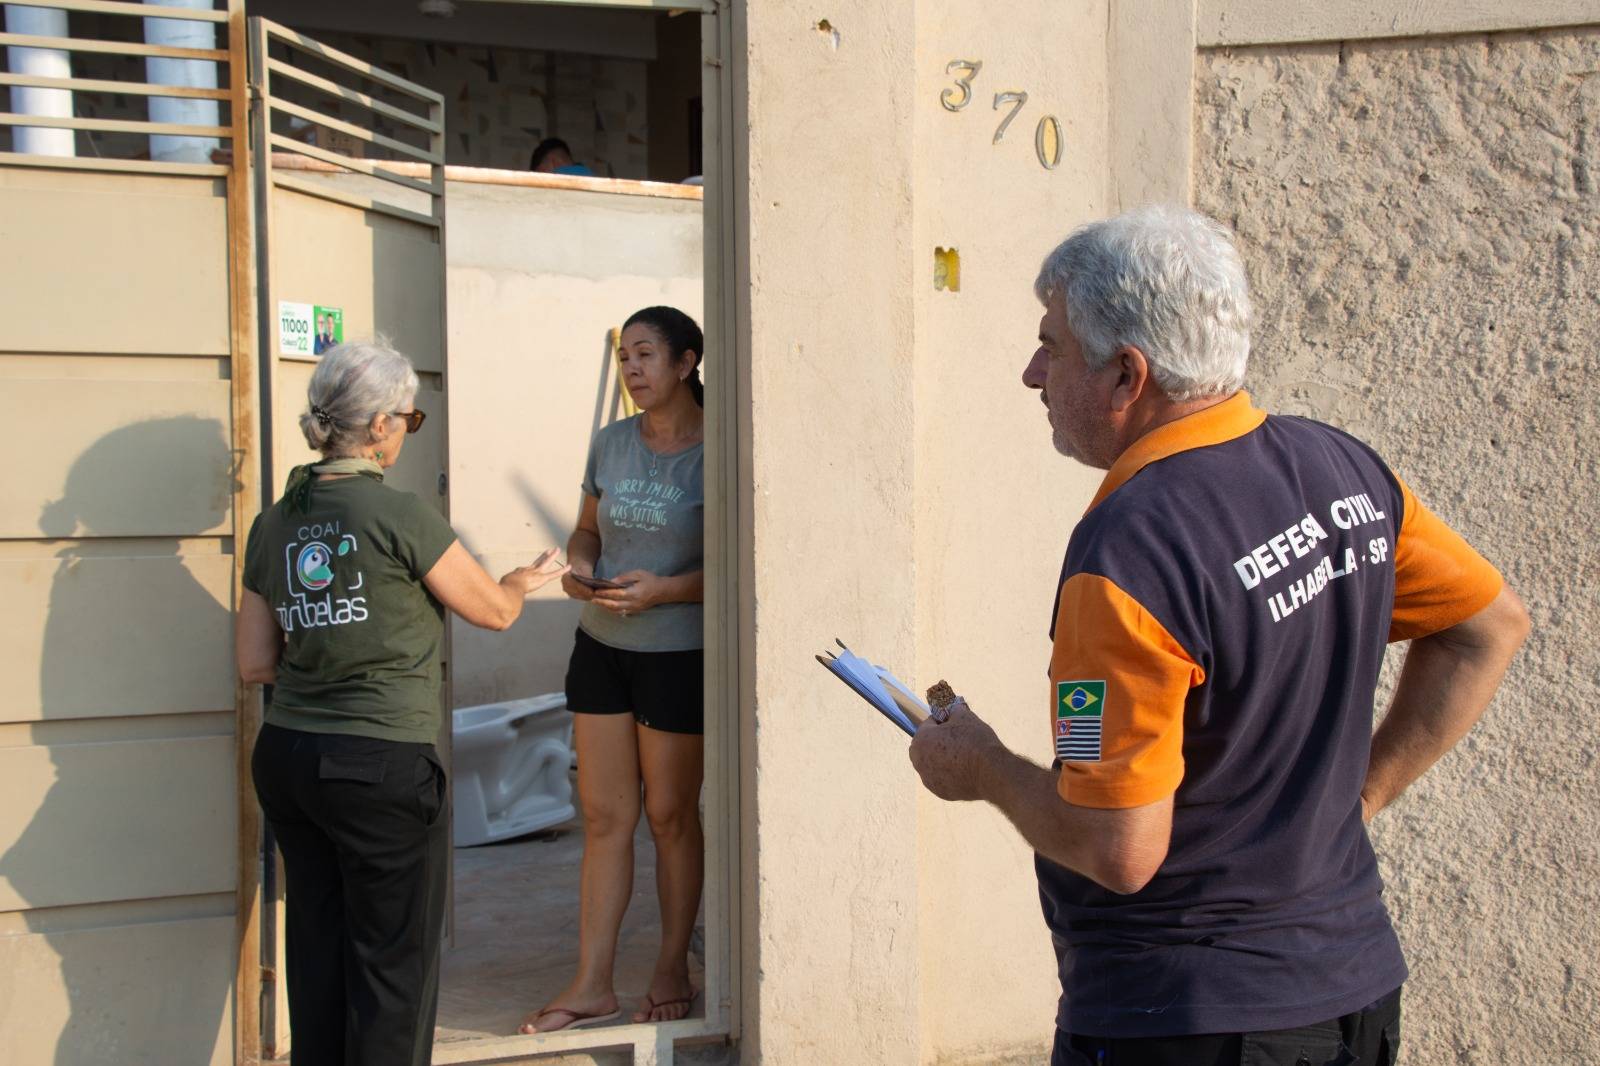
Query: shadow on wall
[[145, 992]]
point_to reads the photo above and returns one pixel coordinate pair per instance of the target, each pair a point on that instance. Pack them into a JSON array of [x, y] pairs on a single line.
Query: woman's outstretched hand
[[537, 574]]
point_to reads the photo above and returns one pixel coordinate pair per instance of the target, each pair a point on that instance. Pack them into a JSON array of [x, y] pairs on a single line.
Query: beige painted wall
[[118, 792], [994, 502], [536, 278], [832, 265], [908, 500], [1420, 222]]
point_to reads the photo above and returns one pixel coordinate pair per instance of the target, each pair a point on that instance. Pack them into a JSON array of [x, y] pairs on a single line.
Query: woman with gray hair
[[346, 583]]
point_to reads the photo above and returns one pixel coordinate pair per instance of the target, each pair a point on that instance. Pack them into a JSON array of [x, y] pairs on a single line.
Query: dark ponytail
[[681, 335]]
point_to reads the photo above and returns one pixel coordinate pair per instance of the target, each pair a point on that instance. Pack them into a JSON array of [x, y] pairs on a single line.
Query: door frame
[[728, 620], [729, 616]]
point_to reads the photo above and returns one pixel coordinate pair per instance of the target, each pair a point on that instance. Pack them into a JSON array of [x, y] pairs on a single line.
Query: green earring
[[380, 455]]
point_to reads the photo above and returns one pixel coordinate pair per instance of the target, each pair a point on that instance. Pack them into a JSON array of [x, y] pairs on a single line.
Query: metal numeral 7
[[1008, 98]]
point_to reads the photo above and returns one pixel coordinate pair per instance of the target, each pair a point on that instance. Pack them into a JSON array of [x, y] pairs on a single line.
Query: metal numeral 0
[[970, 68], [1049, 145], [1008, 98]]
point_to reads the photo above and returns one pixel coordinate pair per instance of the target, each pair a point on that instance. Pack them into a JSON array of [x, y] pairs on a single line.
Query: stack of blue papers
[[878, 687]]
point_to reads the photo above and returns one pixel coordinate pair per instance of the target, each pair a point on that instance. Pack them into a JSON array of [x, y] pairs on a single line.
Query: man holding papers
[[1220, 621]]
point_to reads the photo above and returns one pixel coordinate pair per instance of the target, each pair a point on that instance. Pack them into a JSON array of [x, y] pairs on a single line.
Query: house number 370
[[1047, 140]]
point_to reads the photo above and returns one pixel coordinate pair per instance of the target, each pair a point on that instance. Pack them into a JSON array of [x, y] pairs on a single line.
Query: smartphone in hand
[[596, 582]]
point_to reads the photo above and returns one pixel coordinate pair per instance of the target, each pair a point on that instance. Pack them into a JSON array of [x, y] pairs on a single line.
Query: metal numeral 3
[[969, 69]]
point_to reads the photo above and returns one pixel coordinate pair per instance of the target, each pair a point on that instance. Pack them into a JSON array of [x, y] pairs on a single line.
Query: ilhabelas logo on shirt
[[1079, 709], [310, 560]]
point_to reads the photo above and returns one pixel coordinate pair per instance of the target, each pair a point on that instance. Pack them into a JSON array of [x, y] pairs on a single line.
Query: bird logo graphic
[[314, 566]]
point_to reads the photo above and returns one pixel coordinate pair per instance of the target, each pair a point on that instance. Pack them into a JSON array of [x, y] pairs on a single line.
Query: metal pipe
[[195, 73], [44, 63]]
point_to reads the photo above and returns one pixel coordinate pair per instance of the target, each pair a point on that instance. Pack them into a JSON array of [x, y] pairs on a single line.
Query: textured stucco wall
[[1419, 218]]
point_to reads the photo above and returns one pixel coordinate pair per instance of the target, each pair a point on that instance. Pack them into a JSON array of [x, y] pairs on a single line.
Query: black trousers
[[362, 827], [1367, 1037]]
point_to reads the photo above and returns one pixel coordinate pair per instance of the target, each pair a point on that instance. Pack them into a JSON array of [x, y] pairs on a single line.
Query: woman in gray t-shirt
[[635, 682]]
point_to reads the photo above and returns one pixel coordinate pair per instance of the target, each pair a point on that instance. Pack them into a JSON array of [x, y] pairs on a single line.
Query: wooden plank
[[244, 377], [93, 823], [280, 32], [1251, 22], [140, 992], [365, 203], [123, 7], [88, 636], [116, 302], [132, 88], [115, 125], [126, 458], [364, 166], [278, 66], [121, 48], [135, 166], [360, 133]]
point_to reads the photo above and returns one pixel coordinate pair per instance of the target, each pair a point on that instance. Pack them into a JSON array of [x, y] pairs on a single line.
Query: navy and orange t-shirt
[[1221, 620]]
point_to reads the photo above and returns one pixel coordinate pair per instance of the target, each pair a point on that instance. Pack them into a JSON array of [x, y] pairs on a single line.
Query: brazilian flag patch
[[1080, 706]]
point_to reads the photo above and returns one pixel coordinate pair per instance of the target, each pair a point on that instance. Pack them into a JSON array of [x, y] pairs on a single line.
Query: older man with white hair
[[1220, 621]]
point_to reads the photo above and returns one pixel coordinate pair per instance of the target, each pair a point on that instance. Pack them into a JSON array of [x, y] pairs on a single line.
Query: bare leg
[[673, 765], [608, 792]]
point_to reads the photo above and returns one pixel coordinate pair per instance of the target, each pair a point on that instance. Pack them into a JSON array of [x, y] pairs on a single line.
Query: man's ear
[[1133, 377]]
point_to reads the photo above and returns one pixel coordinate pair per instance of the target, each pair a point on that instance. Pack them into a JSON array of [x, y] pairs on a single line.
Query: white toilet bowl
[[510, 763]]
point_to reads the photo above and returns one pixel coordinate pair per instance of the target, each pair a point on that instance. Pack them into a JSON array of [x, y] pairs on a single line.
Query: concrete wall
[[1420, 222], [906, 499], [994, 503], [832, 264], [536, 278]]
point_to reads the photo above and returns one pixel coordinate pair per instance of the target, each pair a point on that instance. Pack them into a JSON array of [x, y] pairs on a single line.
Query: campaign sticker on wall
[[295, 333], [330, 329], [308, 329]]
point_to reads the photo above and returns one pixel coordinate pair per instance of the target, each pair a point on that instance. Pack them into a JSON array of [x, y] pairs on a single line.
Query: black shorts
[[664, 690]]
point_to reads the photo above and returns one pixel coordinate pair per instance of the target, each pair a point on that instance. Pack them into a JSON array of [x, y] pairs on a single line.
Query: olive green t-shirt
[[361, 631]]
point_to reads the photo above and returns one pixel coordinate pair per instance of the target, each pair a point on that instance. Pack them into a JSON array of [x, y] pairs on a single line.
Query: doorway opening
[[539, 270]]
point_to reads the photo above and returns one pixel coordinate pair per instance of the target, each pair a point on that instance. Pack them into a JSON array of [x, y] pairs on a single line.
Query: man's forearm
[[1446, 683], [1026, 794], [1102, 845]]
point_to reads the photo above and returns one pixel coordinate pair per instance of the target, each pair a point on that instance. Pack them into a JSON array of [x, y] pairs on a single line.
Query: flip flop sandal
[[651, 1006], [579, 1020]]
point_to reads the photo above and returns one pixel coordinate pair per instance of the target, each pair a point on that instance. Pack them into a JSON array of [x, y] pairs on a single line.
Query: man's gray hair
[[353, 382], [1165, 280]]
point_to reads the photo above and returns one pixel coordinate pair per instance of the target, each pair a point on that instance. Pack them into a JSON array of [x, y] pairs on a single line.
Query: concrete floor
[[516, 932]]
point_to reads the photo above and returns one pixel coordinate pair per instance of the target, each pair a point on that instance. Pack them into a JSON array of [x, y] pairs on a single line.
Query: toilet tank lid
[[550, 701]]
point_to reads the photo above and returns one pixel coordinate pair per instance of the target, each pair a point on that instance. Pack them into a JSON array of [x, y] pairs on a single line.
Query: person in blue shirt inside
[[553, 156]]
